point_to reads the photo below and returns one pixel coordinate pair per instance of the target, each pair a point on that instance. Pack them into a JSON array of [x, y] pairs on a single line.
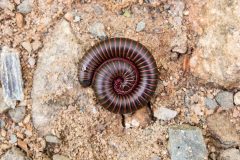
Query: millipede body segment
[[122, 72]]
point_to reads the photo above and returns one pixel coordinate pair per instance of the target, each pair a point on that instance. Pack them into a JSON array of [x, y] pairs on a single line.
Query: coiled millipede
[[122, 72]]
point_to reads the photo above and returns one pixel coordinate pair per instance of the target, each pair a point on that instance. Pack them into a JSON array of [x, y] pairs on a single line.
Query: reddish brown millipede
[[122, 72]]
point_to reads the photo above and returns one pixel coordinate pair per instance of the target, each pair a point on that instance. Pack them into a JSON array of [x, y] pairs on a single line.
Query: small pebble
[[69, 16], [225, 99], [27, 45], [59, 157], [25, 7], [19, 20], [52, 139], [31, 62], [76, 19], [140, 26], [237, 98], [210, 103], [2, 123], [17, 114], [36, 45], [97, 29], [13, 139], [174, 56], [127, 14], [163, 113]]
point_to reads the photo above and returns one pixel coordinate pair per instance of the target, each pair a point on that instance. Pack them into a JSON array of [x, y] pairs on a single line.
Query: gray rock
[[210, 103], [216, 57], [6, 4], [59, 157], [17, 114], [11, 76], [13, 138], [186, 143], [140, 26], [230, 154], [56, 86], [237, 98], [2, 123], [97, 29], [52, 139], [225, 99], [14, 154], [25, 7], [163, 113], [222, 130]]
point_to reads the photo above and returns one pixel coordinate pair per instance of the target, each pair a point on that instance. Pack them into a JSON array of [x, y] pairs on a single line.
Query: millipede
[[122, 73]]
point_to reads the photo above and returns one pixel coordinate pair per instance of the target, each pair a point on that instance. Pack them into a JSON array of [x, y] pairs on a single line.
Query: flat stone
[[56, 86], [237, 98], [222, 130], [216, 58], [165, 114], [59, 157], [225, 99], [210, 103], [25, 7], [179, 42], [17, 114], [11, 76], [230, 154], [97, 29], [52, 139], [140, 26], [14, 154], [186, 143]]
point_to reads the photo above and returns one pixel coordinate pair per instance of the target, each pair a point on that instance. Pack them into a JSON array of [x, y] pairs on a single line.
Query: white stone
[[237, 98], [163, 113]]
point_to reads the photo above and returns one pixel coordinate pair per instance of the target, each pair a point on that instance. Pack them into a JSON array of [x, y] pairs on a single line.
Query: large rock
[[186, 143], [222, 130], [216, 58], [55, 83]]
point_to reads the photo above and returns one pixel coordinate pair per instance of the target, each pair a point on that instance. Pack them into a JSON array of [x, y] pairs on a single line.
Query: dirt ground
[[94, 133]]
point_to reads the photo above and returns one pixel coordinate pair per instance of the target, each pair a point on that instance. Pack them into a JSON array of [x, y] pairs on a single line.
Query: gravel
[[186, 143], [17, 114], [225, 99]]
